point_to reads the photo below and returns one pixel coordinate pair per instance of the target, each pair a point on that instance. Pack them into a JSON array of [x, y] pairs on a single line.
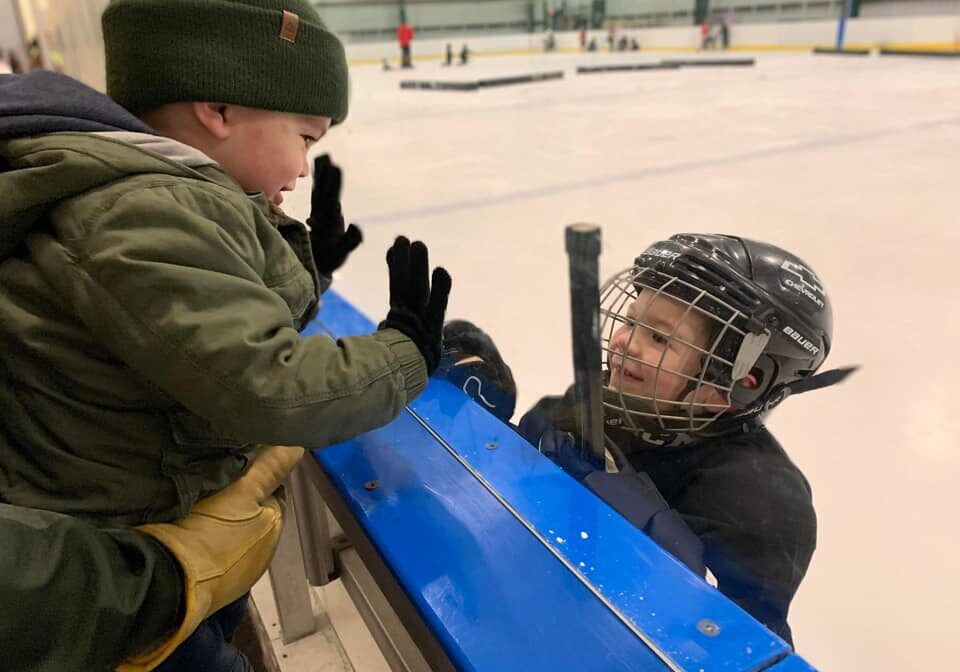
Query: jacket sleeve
[[631, 494], [635, 497], [758, 543], [180, 297], [74, 597]]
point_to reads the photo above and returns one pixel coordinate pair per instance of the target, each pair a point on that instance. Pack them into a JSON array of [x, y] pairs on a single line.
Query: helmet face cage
[[720, 332]]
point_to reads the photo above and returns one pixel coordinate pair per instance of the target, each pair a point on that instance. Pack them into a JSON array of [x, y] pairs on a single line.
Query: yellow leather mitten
[[224, 545]]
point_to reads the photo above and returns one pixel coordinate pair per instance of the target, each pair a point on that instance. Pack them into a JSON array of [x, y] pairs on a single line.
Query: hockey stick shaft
[[583, 250]]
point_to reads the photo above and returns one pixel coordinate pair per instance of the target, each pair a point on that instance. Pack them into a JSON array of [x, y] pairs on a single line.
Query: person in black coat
[[702, 337]]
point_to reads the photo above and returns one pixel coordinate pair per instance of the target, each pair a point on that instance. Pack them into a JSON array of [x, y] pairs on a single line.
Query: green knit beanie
[[268, 54]]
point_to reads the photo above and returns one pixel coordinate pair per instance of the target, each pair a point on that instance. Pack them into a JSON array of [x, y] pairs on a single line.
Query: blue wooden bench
[[496, 560]]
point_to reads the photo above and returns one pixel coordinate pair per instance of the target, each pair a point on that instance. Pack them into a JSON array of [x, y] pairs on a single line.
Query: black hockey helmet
[[768, 314]]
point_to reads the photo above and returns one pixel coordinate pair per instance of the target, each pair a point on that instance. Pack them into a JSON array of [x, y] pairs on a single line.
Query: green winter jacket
[[74, 597], [149, 318]]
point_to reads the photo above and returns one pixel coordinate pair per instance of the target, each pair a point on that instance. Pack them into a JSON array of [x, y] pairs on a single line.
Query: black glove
[[416, 310], [562, 448], [472, 362], [331, 243]]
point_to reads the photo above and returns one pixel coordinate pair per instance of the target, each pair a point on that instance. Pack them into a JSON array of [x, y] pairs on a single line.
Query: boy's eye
[[660, 339], [307, 140]]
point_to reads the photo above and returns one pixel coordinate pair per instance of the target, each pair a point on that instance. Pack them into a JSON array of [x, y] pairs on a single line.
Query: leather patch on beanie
[[290, 26]]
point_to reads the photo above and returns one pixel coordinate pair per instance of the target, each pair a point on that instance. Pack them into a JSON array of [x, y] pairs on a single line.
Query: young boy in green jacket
[[151, 290]]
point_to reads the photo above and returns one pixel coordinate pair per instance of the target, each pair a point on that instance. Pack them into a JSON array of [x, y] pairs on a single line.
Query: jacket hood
[[46, 102], [60, 138]]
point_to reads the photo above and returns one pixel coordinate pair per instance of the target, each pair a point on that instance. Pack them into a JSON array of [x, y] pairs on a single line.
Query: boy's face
[[266, 151], [645, 361]]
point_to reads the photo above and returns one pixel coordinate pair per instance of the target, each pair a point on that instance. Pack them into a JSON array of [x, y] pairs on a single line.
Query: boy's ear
[[213, 117]]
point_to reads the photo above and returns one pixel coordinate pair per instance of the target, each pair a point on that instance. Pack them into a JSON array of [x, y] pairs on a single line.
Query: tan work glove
[[224, 545]]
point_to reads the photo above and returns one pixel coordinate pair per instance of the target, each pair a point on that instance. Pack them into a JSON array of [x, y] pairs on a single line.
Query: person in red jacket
[[405, 37]]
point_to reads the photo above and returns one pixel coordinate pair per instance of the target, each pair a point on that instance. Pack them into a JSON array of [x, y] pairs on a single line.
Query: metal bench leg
[[289, 580]]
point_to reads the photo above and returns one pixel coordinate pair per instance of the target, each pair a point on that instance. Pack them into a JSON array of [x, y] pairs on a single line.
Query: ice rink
[[852, 163]]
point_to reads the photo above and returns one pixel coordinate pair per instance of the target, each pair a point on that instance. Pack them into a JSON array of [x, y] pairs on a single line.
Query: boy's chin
[[638, 391], [639, 401]]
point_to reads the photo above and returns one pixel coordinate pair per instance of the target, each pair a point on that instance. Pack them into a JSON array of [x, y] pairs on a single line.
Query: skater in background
[[405, 38], [464, 55], [35, 55], [448, 57], [705, 39], [549, 42], [16, 65]]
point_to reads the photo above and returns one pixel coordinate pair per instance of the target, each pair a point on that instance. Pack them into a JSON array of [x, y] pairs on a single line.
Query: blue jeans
[[209, 649]]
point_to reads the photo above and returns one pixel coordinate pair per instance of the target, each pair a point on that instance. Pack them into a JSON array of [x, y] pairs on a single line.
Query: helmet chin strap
[[821, 380], [815, 382], [655, 438]]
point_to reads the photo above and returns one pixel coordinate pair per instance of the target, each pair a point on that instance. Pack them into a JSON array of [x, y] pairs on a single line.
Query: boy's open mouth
[[617, 373]]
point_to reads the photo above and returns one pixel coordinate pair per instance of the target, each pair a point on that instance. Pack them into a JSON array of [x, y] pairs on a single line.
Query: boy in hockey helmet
[[702, 336]]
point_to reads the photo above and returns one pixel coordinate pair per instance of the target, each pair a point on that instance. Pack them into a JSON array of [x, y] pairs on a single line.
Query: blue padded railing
[[512, 564]]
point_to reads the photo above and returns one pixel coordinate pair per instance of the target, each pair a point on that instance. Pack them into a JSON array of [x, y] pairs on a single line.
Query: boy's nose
[[305, 168], [627, 342], [635, 343]]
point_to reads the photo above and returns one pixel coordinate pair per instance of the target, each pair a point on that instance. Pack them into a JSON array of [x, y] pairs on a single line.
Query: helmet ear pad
[[715, 399], [708, 398], [747, 392]]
